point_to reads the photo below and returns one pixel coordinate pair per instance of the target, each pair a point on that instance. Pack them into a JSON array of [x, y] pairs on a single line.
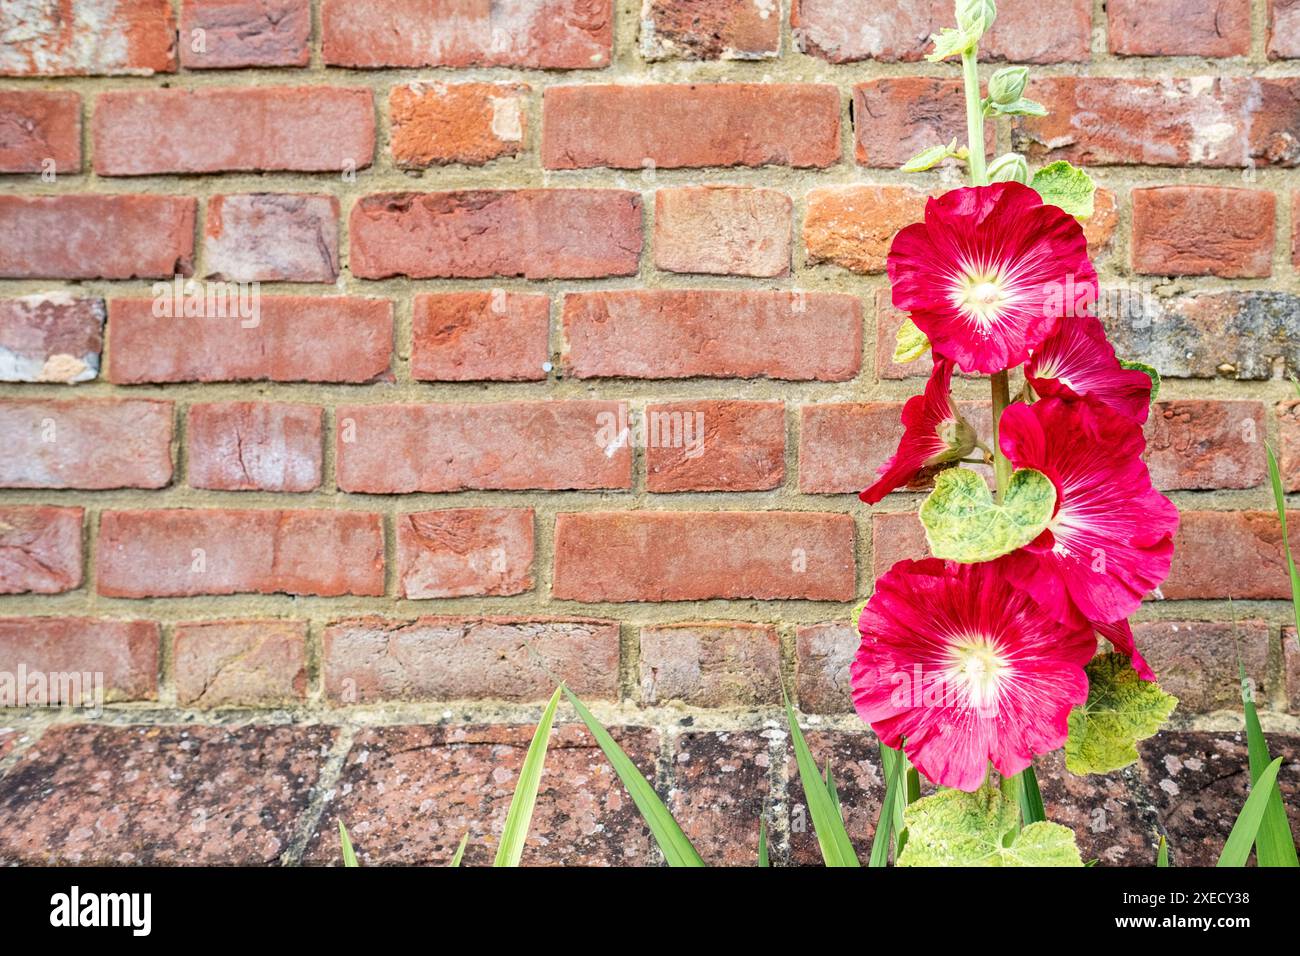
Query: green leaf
[[955, 828], [837, 848], [1121, 710], [892, 763], [1150, 372], [762, 844], [949, 42], [349, 855], [1274, 846], [1021, 107], [1030, 797], [1279, 501], [460, 851], [963, 522], [677, 849], [1237, 850], [1066, 186], [520, 814], [910, 343], [930, 158], [1162, 854]]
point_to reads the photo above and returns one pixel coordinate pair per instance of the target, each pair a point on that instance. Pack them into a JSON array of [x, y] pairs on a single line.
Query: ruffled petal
[[1078, 361]]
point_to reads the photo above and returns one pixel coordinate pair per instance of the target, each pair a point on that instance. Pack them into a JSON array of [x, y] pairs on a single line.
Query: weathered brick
[[888, 321], [480, 336], [824, 653], [1203, 230], [89, 444], [710, 29], [854, 758], [227, 34], [88, 38], [1025, 31], [119, 658], [551, 445], [728, 664], [1288, 427], [51, 337], [548, 35], [697, 556], [444, 658], [1110, 821], [173, 552], [470, 123], [254, 446], [896, 118], [234, 129], [1291, 658], [40, 550], [268, 237], [671, 333], [841, 444], [1100, 227], [680, 125], [1196, 661], [240, 663], [1206, 444], [1179, 27], [96, 237], [854, 226], [723, 230], [289, 339], [40, 131], [721, 790], [1283, 29], [456, 552], [714, 446], [1230, 554], [895, 536], [535, 233]]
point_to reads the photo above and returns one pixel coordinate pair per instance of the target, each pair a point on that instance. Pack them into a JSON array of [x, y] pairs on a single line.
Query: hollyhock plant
[[1078, 361]]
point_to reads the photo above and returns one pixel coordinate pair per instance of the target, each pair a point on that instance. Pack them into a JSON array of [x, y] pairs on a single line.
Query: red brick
[[121, 654], [40, 550], [888, 321], [895, 536], [700, 555], [727, 664], [1100, 227], [714, 446], [40, 131], [723, 230], [1231, 554], [1179, 27], [89, 444], [290, 339], [1203, 230], [824, 653], [534, 233], [1192, 121], [854, 226], [51, 337], [1025, 31], [707, 124], [240, 663], [444, 658], [1206, 444], [213, 130], [842, 444], [1283, 29], [269, 237], [1196, 661], [549, 445], [896, 118], [480, 336], [88, 38], [96, 237], [470, 123], [547, 35], [457, 552], [671, 333], [721, 783], [176, 552], [241, 33], [710, 29], [254, 446], [1288, 427]]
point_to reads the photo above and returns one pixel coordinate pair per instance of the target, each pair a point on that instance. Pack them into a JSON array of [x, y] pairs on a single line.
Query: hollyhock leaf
[[1020, 107], [930, 158], [953, 828], [1121, 710], [963, 522], [949, 42], [1066, 186], [910, 343], [1147, 370]]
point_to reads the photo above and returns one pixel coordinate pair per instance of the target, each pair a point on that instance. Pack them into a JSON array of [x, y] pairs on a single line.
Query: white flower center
[[977, 668], [982, 296]]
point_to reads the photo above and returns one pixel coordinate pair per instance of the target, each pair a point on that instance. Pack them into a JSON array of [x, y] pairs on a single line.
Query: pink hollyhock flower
[[1120, 635], [1078, 361], [990, 272], [1111, 539], [933, 433], [962, 668]]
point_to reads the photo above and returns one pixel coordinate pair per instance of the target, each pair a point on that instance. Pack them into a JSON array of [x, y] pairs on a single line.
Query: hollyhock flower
[[990, 272], [1111, 539], [962, 668], [1120, 635], [1078, 361], [933, 433]]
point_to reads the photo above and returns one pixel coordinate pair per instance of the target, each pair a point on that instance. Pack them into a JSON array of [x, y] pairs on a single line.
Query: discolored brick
[[723, 230], [1206, 444], [470, 123], [240, 663], [1203, 230], [824, 653], [269, 237], [228, 34], [711, 665], [721, 791], [88, 38], [710, 29], [897, 117], [1103, 811], [456, 552], [40, 550], [1230, 554], [854, 758], [51, 337], [86, 661], [854, 226], [480, 336], [254, 446], [1179, 27], [40, 131], [1288, 452], [1196, 661]]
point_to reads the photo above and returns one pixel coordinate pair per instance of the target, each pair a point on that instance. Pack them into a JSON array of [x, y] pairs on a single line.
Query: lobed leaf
[[1121, 710], [955, 828], [963, 522], [1070, 188]]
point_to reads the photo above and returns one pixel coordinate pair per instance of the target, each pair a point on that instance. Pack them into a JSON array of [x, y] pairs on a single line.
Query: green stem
[[1001, 399], [974, 118]]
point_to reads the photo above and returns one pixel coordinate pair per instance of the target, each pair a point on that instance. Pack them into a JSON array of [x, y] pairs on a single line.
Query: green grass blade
[[1279, 499], [1274, 845], [892, 762], [349, 854], [1162, 854], [460, 851], [837, 848], [677, 849], [1030, 797], [520, 815], [762, 844], [1237, 850]]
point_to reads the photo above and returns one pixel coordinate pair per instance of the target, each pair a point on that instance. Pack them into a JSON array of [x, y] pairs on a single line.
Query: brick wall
[[573, 346]]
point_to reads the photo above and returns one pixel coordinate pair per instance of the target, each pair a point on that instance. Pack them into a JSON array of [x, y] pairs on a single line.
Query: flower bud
[[976, 16], [1009, 168], [1008, 85]]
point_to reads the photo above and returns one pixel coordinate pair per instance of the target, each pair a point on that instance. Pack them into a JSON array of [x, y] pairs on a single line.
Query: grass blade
[[1162, 854], [837, 848], [677, 849], [1279, 499], [1237, 850], [460, 851], [520, 814], [892, 762], [1274, 845], [349, 854], [1030, 797], [762, 844]]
